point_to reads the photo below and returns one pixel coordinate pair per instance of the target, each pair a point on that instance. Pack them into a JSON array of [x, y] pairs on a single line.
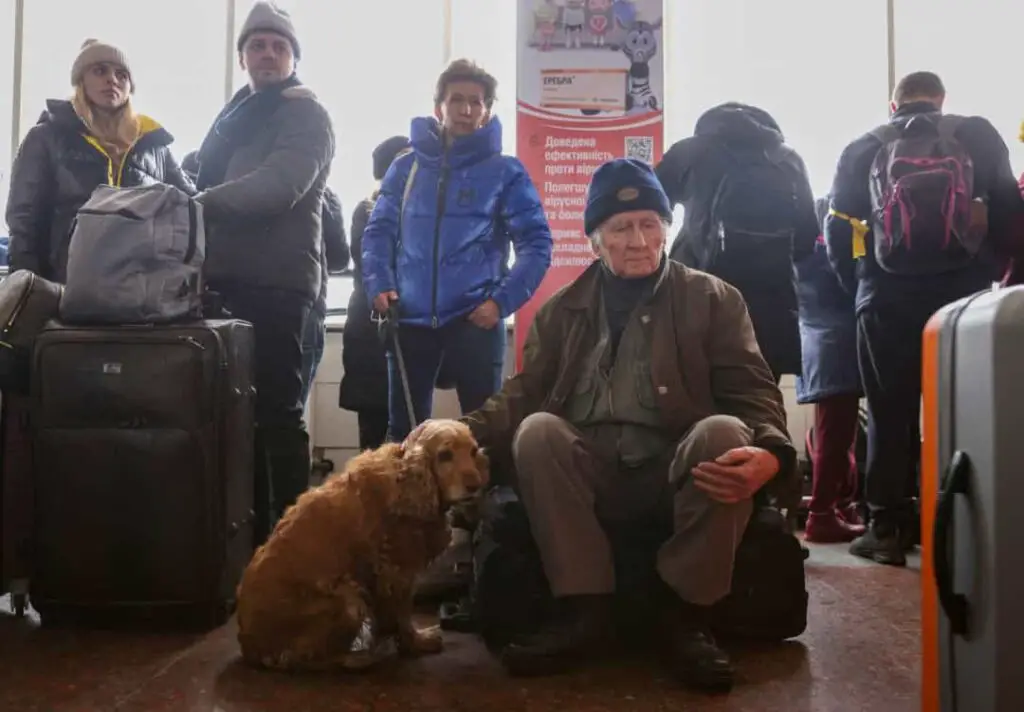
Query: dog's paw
[[427, 641]]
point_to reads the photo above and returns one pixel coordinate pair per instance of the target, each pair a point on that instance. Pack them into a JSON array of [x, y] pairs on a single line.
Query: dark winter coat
[[364, 385], [56, 170], [263, 168], [828, 328], [691, 173], [334, 253], [704, 360]]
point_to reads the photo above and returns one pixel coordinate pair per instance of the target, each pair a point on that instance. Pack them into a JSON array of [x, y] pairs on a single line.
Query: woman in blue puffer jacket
[[438, 243], [831, 381]]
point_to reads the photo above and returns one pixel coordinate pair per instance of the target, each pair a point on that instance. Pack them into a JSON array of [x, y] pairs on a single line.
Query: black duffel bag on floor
[[510, 594]]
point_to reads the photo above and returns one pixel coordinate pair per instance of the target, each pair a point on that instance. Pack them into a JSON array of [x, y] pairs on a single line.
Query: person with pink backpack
[[917, 208]]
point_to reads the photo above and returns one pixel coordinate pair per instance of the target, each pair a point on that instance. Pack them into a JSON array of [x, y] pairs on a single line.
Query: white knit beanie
[[268, 17], [96, 52]]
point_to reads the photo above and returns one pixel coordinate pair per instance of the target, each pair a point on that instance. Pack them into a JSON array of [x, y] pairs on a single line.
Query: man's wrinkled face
[[268, 58], [631, 244], [463, 109]]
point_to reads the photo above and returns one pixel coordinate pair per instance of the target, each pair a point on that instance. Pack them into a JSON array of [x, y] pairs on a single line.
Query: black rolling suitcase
[[143, 471], [15, 499]]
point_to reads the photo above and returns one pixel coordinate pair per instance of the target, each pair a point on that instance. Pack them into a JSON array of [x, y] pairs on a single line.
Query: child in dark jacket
[[831, 381]]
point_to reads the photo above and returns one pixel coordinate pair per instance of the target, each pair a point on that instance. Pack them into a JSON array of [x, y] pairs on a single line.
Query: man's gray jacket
[[264, 219]]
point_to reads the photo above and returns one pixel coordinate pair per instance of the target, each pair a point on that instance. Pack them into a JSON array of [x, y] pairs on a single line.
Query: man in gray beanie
[[267, 17], [262, 173], [697, 430]]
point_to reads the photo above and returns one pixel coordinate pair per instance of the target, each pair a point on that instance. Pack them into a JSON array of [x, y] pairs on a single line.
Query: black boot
[[581, 631], [883, 543], [693, 655], [910, 531]]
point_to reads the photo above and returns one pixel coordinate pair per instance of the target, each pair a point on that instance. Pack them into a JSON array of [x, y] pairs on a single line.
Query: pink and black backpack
[[922, 186]]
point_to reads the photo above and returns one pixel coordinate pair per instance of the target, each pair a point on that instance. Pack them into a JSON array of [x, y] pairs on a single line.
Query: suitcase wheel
[[19, 604]]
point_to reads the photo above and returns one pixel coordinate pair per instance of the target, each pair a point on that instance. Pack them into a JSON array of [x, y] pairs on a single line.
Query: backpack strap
[[408, 183], [401, 207]]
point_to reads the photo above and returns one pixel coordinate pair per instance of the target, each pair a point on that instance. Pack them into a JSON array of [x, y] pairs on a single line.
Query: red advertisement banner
[[591, 83]]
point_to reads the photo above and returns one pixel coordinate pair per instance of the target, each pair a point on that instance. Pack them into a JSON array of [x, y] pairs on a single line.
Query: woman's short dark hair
[[466, 70]]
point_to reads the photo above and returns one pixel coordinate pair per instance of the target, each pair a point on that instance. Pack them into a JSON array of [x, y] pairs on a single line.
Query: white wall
[[335, 432]]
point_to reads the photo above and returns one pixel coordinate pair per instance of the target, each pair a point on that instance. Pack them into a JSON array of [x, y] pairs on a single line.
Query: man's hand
[[382, 302], [737, 475], [487, 315]]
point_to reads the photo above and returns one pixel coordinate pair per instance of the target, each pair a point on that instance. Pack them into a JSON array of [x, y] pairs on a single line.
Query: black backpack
[[510, 594], [753, 217], [922, 187]]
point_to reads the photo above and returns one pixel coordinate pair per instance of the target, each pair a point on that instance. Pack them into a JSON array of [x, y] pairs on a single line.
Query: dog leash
[[392, 321]]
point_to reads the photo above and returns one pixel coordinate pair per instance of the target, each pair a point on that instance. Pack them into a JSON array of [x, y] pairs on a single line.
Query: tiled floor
[[860, 652]]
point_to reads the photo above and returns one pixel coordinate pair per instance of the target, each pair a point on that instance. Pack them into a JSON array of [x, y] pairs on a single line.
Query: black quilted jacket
[[56, 170]]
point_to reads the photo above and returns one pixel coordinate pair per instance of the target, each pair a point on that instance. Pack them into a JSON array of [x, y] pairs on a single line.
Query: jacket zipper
[[442, 189], [124, 160], [113, 180]]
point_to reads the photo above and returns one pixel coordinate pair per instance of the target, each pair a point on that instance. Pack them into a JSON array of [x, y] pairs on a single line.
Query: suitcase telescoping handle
[[955, 481]]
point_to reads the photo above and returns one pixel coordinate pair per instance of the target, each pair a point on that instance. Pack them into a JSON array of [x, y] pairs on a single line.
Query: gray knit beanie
[[96, 52], [268, 17]]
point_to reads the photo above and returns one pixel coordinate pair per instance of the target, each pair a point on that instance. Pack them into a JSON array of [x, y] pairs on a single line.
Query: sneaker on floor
[[881, 544], [828, 528]]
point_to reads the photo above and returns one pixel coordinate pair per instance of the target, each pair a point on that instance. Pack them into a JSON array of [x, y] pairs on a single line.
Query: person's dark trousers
[[313, 338], [474, 356], [889, 354], [373, 428], [282, 444]]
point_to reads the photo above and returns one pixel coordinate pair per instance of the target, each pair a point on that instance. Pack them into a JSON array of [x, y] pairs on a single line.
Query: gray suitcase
[[972, 485]]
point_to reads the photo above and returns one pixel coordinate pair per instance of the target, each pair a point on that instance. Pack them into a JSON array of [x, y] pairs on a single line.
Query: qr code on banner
[[641, 148]]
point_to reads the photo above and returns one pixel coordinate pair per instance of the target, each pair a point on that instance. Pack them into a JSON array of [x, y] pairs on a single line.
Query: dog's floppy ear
[[418, 490]]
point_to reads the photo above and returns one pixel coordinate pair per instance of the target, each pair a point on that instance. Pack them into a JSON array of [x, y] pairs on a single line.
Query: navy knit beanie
[[385, 153], [622, 186]]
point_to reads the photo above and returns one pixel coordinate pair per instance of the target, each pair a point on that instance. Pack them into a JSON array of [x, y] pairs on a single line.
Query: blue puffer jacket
[[828, 329], [464, 208]]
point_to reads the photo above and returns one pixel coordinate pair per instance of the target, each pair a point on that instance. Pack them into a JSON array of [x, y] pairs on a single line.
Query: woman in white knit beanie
[[103, 84], [94, 137]]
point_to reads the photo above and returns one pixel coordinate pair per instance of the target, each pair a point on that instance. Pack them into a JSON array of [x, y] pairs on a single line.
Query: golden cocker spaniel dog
[[349, 551]]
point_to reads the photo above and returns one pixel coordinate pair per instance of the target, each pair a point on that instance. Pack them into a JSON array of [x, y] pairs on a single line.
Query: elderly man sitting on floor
[[643, 394]]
